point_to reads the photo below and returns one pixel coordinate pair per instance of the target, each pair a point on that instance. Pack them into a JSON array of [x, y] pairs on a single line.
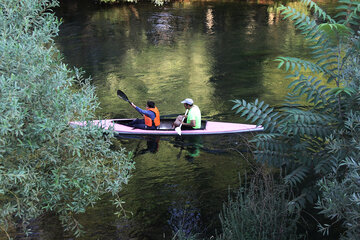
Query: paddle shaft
[[178, 129], [123, 96], [186, 112]]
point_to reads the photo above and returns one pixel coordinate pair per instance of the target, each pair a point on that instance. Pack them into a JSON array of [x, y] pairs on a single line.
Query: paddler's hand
[[133, 105]]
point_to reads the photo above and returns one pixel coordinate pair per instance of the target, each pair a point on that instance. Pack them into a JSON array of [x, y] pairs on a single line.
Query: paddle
[[123, 96], [178, 129]]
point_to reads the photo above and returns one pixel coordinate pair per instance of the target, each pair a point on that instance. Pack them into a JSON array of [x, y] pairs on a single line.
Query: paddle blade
[[178, 130], [122, 95]]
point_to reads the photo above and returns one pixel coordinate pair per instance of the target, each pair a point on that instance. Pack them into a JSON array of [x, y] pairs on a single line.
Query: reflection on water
[[211, 51], [209, 21], [162, 29], [184, 217], [192, 145], [180, 186], [152, 146]]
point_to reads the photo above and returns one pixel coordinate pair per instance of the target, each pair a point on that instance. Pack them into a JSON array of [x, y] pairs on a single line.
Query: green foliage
[[46, 165], [156, 2], [181, 235], [259, 210], [349, 12], [340, 188], [314, 133]]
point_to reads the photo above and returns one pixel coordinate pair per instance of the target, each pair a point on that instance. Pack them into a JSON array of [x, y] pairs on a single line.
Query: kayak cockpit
[[165, 124]]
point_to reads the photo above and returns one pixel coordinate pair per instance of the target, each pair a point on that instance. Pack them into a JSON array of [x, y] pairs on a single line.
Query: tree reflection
[[209, 21], [161, 28]]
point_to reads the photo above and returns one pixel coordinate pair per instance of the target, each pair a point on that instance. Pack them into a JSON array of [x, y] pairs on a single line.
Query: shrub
[[315, 132], [259, 210], [46, 165]]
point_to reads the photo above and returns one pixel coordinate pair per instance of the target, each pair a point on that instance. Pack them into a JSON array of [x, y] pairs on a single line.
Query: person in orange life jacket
[[151, 115]]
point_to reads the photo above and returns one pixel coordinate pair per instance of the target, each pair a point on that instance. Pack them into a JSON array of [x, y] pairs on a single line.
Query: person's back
[[151, 121], [194, 114], [151, 117]]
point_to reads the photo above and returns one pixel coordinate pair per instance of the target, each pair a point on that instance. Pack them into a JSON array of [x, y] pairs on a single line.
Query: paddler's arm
[[134, 106], [191, 124], [150, 114]]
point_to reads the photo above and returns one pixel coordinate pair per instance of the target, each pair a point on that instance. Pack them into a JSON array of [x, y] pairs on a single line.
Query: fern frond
[[257, 113], [323, 166], [342, 90], [306, 117], [308, 27], [318, 10], [306, 129], [350, 11], [292, 64], [272, 149], [271, 142], [335, 32], [291, 101], [311, 87], [297, 203], [296, 176], [312, 32], [273, 158]]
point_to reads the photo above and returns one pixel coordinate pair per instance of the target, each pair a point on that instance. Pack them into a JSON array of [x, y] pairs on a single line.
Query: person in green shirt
[[193, 118]]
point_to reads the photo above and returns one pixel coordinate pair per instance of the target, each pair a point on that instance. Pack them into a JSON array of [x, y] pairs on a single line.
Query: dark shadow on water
[[152, 146]]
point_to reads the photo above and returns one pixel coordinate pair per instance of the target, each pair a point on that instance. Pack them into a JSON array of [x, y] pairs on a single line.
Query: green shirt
[[194, 114]]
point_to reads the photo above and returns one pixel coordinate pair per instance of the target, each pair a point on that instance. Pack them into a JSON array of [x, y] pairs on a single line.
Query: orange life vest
[[149, 122]]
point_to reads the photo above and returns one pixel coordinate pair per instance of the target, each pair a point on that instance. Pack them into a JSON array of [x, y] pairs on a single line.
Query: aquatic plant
[[47, 166], [184, 221], [259, 210], [314, 134]]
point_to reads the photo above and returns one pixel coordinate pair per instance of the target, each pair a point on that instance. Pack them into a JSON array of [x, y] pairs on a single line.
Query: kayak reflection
[[152, 145], [190, 147], [191, 144]]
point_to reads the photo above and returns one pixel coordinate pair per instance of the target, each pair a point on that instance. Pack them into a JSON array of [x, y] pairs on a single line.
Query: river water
[[211, 51]]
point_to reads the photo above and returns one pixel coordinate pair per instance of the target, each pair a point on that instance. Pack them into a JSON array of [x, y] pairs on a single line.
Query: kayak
[[207, 127]]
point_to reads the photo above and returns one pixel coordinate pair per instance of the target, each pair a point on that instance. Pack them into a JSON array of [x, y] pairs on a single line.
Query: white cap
[[188, 101]]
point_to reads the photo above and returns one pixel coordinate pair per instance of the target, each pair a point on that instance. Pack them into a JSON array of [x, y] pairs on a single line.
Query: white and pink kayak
[[207, 127]]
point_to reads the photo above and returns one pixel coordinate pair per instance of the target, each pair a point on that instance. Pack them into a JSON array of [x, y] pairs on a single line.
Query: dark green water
[[211, 51]]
